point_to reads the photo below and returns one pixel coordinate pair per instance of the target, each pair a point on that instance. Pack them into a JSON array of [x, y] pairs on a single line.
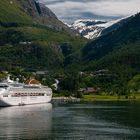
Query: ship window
[[5, 95], [3, 86]]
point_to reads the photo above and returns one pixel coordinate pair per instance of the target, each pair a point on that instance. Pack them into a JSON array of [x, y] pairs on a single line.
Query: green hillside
[[118, 53], [128, 33], [24, 44], [43, 48], [10, 11]]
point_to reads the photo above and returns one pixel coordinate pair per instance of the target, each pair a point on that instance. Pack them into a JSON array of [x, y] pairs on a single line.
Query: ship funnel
[[9, 80]]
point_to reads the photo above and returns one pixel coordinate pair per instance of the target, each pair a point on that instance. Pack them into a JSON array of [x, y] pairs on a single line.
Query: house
[[88, 90], [41, 72]]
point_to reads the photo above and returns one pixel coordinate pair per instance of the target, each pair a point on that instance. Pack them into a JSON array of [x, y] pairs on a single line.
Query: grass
[[90, 98], [11, 12]]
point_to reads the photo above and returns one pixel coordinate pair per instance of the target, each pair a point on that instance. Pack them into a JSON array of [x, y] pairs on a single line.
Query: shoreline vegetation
[[91, 98], [94, 98]]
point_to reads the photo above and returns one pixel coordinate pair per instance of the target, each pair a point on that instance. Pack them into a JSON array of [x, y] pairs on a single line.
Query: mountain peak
[[40, 13], [30, 11], [91, 29]]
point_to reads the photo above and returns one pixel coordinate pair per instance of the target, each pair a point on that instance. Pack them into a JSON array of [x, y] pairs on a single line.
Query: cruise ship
[[13, 93]]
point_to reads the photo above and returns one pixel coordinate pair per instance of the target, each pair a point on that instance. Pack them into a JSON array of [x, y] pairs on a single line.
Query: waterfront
[[76, 121]]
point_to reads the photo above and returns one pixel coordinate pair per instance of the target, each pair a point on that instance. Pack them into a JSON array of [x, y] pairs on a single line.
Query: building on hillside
[[88, 90], [41, 72]]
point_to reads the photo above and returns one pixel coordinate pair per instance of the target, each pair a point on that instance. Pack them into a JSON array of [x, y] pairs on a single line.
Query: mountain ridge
[[115, 56], [31, 12], [92, 29], [123, 34]]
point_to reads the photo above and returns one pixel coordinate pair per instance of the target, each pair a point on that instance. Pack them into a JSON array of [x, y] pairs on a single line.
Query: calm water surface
[[94, 121]]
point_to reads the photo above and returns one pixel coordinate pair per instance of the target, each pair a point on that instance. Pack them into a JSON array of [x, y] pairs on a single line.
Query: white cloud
[[107, 8]]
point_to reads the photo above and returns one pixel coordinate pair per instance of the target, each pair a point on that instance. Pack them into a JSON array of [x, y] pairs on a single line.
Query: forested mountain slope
[[32, 37], [128, 33], [116, 53]]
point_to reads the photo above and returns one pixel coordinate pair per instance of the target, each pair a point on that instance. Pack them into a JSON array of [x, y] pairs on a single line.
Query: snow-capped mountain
[[88, 28], [92, 29]]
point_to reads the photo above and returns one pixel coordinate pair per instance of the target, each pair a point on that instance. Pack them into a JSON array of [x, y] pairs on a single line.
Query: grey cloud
[[70, 10]]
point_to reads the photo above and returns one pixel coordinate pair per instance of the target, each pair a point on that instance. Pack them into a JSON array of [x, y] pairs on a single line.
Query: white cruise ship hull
[[14, 94], [27, 100]]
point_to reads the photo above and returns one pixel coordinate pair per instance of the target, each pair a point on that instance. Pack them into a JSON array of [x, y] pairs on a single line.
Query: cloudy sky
[[71, 10]]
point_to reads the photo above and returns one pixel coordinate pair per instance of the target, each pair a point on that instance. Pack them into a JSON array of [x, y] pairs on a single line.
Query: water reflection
[[28, 122], [95, 121]]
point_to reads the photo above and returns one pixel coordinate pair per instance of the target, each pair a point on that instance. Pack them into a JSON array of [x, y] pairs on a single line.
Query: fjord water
[[93, 121]]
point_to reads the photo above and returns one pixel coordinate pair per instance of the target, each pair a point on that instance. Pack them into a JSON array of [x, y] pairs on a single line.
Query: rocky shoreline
[[65, 99]]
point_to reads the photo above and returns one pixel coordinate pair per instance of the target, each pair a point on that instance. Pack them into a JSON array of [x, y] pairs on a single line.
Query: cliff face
[[42, 14], [36, 9]]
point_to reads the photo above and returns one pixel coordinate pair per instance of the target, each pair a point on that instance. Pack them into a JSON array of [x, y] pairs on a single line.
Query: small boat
[[13, 93]]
